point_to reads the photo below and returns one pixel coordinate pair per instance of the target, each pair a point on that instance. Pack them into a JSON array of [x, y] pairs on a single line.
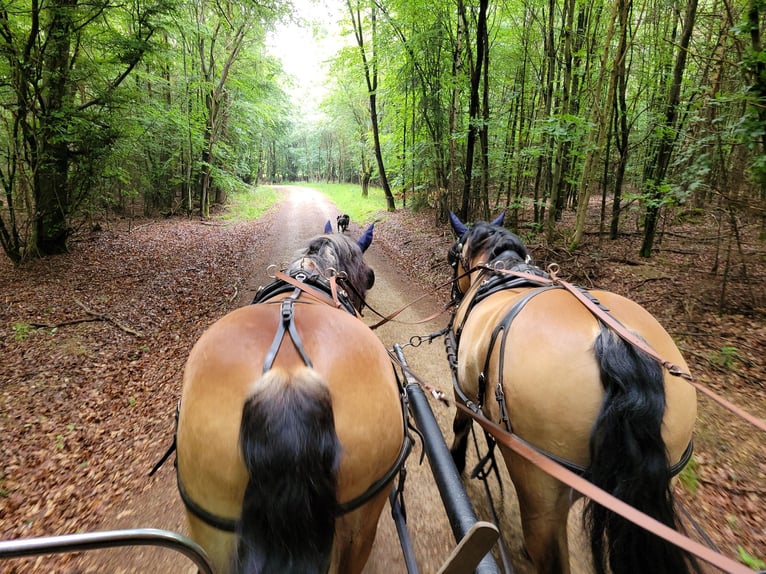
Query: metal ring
[[271, 271], [553, 269]]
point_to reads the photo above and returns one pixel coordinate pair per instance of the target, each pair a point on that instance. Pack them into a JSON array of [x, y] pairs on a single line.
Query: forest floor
[[92, 344]]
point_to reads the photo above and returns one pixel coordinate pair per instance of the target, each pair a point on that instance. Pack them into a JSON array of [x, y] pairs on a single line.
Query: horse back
[[550, 375], [227, 363]]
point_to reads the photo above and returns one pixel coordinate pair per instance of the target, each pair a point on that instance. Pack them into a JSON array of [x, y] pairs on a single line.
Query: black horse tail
[[292, 454], [630, 461]]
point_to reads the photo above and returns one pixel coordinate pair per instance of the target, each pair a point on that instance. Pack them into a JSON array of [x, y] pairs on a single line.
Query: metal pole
[[107, 539], [458, 506]]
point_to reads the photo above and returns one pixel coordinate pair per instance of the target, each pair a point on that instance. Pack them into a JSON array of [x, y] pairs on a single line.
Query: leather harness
[[320, 289], [534, 278]]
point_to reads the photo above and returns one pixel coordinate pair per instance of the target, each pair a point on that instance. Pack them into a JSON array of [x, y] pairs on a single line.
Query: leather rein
[[563, 470]]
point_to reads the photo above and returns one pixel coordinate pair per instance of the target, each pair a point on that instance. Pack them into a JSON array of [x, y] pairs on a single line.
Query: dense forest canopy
[[535, 106]]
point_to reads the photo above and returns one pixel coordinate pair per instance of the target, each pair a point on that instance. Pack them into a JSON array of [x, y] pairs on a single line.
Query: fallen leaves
[[87, 407]]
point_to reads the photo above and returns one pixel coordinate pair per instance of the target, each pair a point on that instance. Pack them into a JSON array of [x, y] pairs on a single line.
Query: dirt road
[[301, 214]]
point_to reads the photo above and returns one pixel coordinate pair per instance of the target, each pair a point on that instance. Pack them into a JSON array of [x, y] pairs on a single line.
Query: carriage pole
[[458, 506]]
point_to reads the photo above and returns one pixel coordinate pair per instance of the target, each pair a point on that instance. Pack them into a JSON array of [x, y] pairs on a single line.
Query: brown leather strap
[[311, 291], [632, 339], [390, 317], [733, 408], [620, 329], [585, 487], [519, 446]]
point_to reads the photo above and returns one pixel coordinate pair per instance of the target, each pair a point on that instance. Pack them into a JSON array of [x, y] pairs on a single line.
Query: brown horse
[[533, 356], [291, 422]]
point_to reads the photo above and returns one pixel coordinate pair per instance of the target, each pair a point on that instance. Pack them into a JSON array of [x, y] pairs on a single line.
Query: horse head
[[334, 253], [482, 243]]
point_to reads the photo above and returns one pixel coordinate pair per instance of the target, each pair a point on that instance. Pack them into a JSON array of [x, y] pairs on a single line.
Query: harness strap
[[633, 340], [313, 292], [286, 324], [225, 524], [503, 327], [378, 485]]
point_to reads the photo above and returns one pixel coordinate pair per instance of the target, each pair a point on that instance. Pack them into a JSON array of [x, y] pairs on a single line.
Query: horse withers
[[291, 426], [531, 354]]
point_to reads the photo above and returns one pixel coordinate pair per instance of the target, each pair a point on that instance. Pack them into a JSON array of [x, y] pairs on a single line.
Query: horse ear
[[366, 239], [328, 227], [499, 219], [457, 226]]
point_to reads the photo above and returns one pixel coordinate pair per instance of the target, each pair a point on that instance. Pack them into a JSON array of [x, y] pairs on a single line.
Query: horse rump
[[292, 454], [630, 423]]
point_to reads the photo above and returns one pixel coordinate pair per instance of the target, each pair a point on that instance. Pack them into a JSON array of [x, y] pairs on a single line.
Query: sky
[[303, 53]]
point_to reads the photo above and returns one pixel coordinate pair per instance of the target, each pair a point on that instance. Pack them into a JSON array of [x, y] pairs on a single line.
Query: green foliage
[[21, 331], [348, 198], [689, 477], [726, 357], [249, 203], [749, 560]]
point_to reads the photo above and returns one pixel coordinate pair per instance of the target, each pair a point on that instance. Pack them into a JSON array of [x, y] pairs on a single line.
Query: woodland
[[626, 138], [166, 107]]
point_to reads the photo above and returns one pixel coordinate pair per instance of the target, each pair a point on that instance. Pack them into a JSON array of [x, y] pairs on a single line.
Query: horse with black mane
[[531, 355], [291, 425]]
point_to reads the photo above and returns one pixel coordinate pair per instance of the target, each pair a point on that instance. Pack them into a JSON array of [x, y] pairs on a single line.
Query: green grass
[[348, 198], [250, 204], [253, 203]]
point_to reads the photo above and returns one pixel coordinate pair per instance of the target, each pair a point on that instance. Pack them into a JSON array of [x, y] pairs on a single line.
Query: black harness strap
[[225, 524], [287, 326], [404, 452]]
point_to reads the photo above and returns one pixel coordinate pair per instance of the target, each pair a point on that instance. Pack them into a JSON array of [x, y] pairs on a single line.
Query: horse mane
[[342, 254], [499, 243]]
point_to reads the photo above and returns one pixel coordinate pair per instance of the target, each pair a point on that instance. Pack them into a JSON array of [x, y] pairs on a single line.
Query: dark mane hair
[[341, 253], [499, 243]]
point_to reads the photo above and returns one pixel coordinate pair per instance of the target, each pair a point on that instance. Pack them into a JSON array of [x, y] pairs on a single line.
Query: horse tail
[[292, 454], [630, 461]]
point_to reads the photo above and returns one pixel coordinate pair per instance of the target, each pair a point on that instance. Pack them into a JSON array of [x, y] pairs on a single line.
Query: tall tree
[[476, 65], [370, 66], [657, 168], [66, 60]]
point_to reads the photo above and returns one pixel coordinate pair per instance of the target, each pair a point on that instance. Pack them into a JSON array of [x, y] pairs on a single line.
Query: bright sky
[[305, 48]]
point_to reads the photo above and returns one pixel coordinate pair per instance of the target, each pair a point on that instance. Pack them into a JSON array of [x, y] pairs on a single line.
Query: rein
[[583, 486], [626, 335], [386, 318]]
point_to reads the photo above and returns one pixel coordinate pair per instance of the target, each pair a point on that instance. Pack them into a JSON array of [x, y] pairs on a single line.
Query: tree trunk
[[621, 118], [51, 183], [598, 135], [371, 76], [658, 168], [475, 98]]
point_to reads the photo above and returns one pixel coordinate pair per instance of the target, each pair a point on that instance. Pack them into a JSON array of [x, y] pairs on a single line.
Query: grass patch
[[348, 198], [249, 204]]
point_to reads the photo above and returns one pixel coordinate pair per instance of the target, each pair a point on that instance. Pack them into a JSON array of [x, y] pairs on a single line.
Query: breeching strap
[[632, 339]]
